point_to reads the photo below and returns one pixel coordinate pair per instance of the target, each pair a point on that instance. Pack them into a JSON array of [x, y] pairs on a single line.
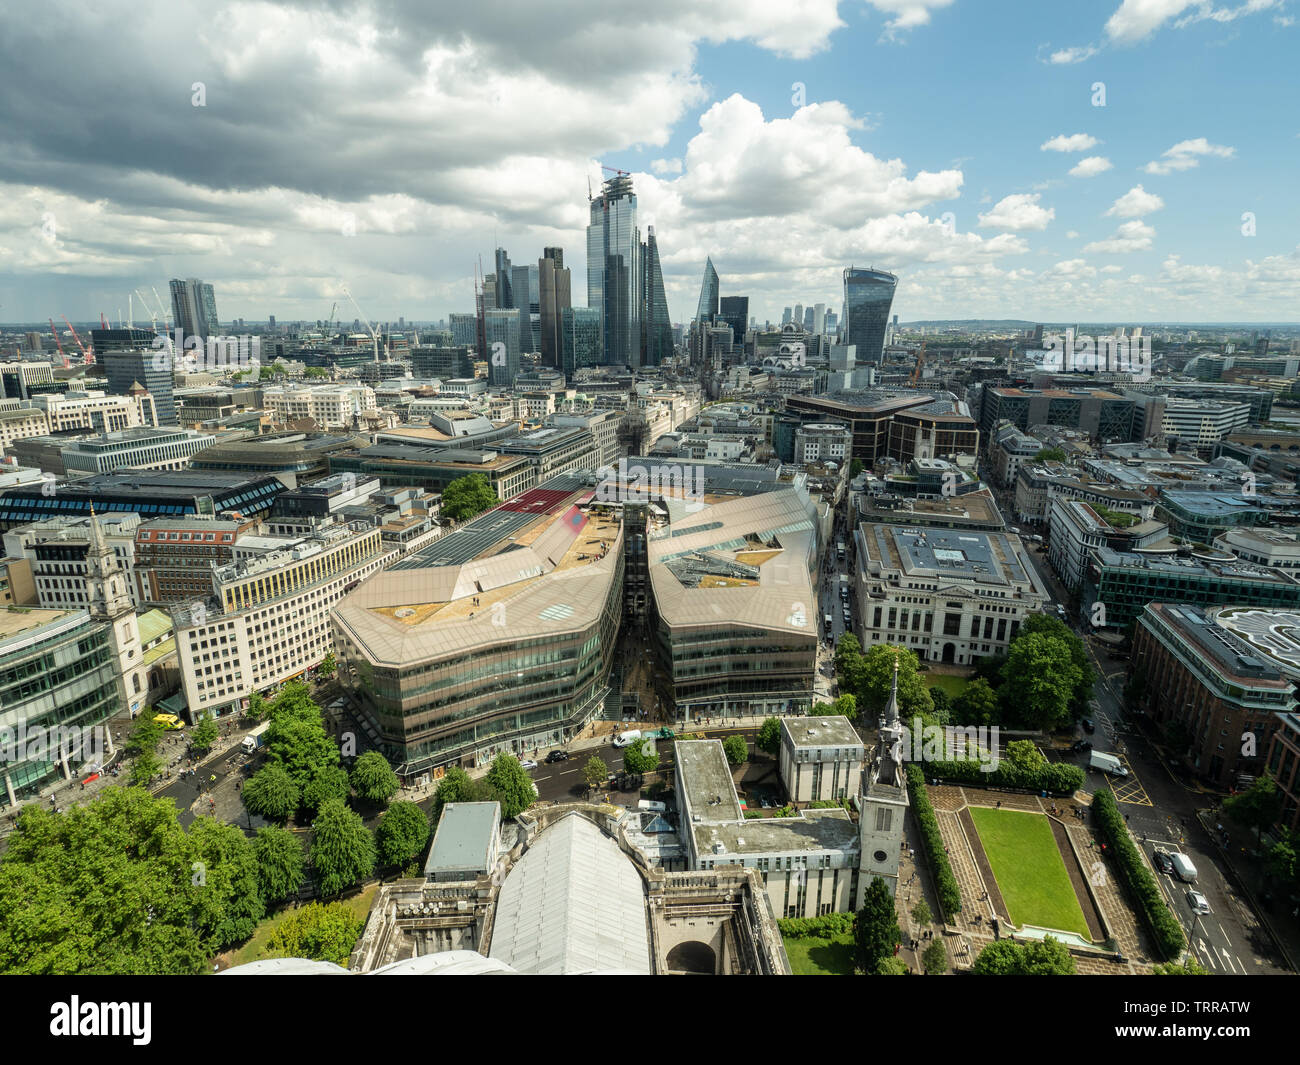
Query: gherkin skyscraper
[[656, 326]]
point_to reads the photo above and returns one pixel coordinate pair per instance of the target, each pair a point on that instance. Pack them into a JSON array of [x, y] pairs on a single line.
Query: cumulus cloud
[[1075, 54], [1136, 20], [1187, 155], [666, 166], [1074, 142], [1129, 237], [1018, 212], [1091, 166], [1135, 203], [906, 14]]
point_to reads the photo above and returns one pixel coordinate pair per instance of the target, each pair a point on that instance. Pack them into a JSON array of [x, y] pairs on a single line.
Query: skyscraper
[[194, 308], [501, 339], [735, 312], [786, 315], [580, 343], [708, 307], [524, 296], [798, 315], [614, 271], [553, 297], [655, 323], [868, 295], [464, 330], [808, 319], [150, 370], [819, 319], [502, 279]]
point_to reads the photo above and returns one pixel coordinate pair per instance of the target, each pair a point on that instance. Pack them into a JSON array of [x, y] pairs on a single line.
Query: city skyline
[[1168, 203]]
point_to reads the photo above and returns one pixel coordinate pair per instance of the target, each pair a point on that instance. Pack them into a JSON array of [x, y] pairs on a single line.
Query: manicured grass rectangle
[[820, 957], [1029, 868], [949, 682]]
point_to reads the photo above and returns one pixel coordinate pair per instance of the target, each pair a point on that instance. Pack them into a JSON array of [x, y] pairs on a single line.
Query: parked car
[[1163, 862], [1081, 745], [1198, 902], [527, 763], [557, 756], [1088, 725]]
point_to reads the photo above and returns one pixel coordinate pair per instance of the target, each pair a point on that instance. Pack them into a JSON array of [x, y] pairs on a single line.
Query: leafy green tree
[[1050, 454], [595, 772], [768, 739], [204, 734], [315, 371], [327, 666], [511, 785], [921, 912], [640, 758], [1190, 967], [1023, 755], [1048, 957], [976, 705], [299, 745], [456, 786], [1039, 679], [272, 793], [845, 706], [849, 663], [989, 668], [736, 750], [855, 468], [342, 848], [466, 496], [294, 701], [326, 932], [878, 677], [1055, 627], [892, 966], [934, 959], [257, 708], [373, 778], [1258, 807], [280, 863], [876, 932], [402, 833], [145, 735], [226, 900], [325, 782], [1282, 858], [144, 768], [942, 705]]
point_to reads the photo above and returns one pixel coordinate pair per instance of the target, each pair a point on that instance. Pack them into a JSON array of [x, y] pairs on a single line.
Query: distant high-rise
[[734, 310], [868, 295], [819, 319], [127, 369], [655, 323], [786, 315], [464, 330], [553, 297], [524, 296], [580, 342], [708, 306], [501, 332], [808, 313], [194, 308], [798, 315], [271, 323], [502, 280], [614, 271]]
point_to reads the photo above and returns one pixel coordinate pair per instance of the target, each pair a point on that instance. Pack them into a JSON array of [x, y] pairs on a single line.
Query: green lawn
[[950, 683], [821, 957], [1029, 869], [255, 948]]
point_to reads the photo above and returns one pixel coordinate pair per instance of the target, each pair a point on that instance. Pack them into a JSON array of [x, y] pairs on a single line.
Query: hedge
[[932, 839], [828, 926], [1055, 778], [1136, 875]]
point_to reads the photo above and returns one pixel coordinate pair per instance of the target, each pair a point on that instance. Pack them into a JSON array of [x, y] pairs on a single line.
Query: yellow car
[[170, 722]]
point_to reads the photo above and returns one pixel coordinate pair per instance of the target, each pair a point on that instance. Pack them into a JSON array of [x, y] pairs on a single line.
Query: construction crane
[[59, 344], [374, 336], [920, 361], [163, 313], [615, 170], [88, 353], [329, 324], [103, 322]]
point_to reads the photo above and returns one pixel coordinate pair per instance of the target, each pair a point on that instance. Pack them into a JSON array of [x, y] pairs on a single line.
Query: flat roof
[[13, 621], [465, 838], [828, 731], [706, 776]]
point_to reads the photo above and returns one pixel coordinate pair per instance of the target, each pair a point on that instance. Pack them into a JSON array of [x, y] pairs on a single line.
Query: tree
[[595, 772], [1258, 807], [848, 663], [976, 705], [1007, 958], [315, 371], [768, 739], [845, 706], [934, 959], [1039, 679], [272, 793], [942, 705], [280, 863], [324, 783], [921, 912], [641, 757], [456, 786], [342, 848], [1190, 967], [511, 785], [855, 468], [1050, 454], [402, 833], [878, 677], [736, 750], [892, 966], [1282, 858], [1055, 627], [466, 496], [876, 932], [320, 932], [373, 778], [226, 899], [204, 734], [327, 667], [145, 735], [146, 766], [300, 745]]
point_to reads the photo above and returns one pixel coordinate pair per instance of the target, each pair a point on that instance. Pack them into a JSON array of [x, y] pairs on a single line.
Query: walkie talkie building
[[868, 295]]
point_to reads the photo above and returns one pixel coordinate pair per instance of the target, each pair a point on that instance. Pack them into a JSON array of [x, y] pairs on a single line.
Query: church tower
[[884, 803], [110, 603]]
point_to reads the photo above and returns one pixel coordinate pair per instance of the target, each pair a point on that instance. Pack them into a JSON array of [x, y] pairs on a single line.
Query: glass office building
[[126, 369], [580, 341], [655, 321], [502, 327], [708, 305], [734, 310], [868, 296], [614, 271]]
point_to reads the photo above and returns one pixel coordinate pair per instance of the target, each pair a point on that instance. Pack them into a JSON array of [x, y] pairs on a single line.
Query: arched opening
[[693, 957], [949, 652]]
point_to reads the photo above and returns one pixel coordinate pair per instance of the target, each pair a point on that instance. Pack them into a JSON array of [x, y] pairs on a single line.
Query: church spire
[[891, 707]]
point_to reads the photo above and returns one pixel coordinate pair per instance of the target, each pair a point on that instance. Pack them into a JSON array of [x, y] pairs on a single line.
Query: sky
[[1103, 160]]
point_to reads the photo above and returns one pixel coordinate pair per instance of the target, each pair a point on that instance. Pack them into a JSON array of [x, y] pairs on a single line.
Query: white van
[[651, 806], [1183, 867], [1107, 763], [626, 739]]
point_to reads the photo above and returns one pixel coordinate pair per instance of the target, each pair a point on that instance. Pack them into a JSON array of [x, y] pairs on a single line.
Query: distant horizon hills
[[1023, 324]]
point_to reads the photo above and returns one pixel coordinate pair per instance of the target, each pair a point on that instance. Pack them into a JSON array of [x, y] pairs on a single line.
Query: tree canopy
[[1039, 679], [466, 496], [402, 833], [373, 778], [510, 785], [878, 677], [1046, 957], [281, 862], [876, 932], [342, 848], [325, 932]]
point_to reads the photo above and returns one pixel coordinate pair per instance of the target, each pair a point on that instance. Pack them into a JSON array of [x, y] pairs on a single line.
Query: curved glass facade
[[868, 296]]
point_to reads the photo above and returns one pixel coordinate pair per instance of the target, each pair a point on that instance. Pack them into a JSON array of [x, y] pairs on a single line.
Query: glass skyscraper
[[734, 310], [655, 322], [708, 306], [553, 289], [868, 295], [194, 308], [501, 326], [580, 343], [614, 271]]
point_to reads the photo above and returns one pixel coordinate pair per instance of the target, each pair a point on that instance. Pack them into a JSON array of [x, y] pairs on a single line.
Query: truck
[[256, 739], [1107, 763], [839, 549]]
